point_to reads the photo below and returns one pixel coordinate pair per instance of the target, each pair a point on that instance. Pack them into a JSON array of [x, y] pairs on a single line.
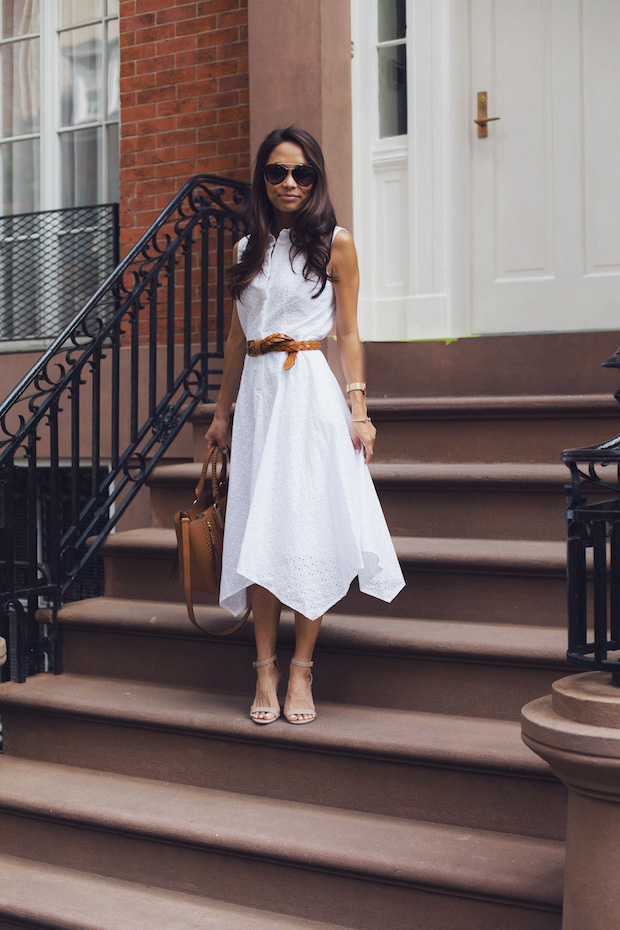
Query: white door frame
[[432, 298]]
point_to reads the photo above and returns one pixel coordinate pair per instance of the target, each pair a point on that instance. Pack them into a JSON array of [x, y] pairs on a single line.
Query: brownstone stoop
[[136, 793]]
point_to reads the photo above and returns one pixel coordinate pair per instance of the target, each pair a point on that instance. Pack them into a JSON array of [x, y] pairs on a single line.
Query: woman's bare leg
[[266, 609], [299, 693]]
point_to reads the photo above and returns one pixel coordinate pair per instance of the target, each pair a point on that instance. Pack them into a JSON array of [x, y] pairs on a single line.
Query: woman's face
[[287, 197]]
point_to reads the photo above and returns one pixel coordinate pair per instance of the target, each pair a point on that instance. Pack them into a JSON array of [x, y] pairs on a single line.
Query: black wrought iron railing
[[593, 569], [104, 403], [50, 264]]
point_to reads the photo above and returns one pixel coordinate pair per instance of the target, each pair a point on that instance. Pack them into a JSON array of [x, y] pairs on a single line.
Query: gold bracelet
[[357, 386], [364, 420]]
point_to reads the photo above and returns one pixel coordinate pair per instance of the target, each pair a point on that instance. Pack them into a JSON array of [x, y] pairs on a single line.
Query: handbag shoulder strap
[[187, 587]]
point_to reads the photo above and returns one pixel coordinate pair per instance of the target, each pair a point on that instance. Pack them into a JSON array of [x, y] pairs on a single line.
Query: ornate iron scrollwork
[[166, 422], [110, 395]]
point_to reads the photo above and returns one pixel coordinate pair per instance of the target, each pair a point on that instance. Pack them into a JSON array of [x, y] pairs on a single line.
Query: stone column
[[577, 731], [300, 72]]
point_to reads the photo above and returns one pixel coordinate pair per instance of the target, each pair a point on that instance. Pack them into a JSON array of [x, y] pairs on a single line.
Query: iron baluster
[[219, 324], [7, 551], [171, 282], [26, 618], [614, 593], [32, 537], [188, 254], [600, 589], [52, 553], [152, 304], [134, 336], [18, 631], [577, 581], [95, 373], [53, 542], [115, 339], [74, 399], [204, 298]]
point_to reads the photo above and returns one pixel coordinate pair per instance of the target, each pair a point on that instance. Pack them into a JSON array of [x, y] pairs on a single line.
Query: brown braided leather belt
[[278, 342]]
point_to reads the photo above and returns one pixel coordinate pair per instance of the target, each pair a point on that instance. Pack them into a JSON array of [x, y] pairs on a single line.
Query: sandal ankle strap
[[301, 665], [265, 662]]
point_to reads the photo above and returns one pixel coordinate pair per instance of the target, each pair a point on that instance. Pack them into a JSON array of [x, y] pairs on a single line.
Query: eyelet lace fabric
[[303, 518]]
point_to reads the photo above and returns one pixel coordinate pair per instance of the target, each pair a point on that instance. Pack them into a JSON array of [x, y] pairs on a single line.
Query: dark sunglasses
[[304, 175]]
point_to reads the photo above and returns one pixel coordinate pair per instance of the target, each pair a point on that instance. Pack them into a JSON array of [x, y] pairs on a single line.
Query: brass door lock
[[483, 119]]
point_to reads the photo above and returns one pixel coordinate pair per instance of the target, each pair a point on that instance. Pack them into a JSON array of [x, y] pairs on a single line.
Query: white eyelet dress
[[303, 518]]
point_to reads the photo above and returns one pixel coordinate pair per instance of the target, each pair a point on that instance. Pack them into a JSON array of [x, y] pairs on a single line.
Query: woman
[[303, 518]]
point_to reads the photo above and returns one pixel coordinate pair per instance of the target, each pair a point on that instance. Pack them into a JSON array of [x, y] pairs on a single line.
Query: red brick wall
[[184, 100]]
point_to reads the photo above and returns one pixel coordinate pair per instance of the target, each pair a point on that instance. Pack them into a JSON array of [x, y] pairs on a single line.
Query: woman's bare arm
[[234, 356], [344, 267]]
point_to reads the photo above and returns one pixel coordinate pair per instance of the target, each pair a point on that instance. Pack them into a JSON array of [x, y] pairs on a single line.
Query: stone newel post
[[577, 731]]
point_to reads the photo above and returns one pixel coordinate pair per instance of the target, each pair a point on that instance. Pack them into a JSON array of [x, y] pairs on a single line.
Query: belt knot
[[278, 342]]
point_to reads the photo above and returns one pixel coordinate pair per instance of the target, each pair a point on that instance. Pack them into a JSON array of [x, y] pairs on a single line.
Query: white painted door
[[546, 181]]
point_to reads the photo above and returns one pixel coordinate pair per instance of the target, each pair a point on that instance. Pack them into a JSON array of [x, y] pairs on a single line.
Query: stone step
[[490, 429], [529, 363], [479, 580], [326, 864], [471, 772], [473, 500], [494, 501], [456, 579], [469, 669], [37, 896], [477, 429]]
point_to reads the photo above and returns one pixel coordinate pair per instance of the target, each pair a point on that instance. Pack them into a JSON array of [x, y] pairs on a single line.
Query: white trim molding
[[405, 212]]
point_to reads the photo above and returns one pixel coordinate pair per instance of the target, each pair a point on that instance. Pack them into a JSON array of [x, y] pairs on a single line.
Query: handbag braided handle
[[211, 460]]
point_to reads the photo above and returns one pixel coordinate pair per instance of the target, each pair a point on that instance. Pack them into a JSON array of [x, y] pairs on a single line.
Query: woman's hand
[[363, 437], [218, 433]]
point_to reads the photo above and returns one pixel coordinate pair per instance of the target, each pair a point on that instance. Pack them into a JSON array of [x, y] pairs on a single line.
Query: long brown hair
[[314, 224]]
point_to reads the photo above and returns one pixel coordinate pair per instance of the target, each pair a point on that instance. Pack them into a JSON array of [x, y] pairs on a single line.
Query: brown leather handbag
[[200, 538]]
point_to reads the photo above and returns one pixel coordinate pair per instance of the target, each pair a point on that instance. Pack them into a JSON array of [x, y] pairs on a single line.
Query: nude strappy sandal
[[304, 710], [255, 709]]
